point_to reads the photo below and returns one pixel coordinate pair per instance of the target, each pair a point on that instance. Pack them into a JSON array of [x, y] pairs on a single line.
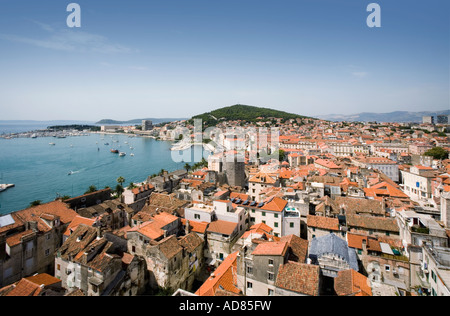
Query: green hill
[[244, 113]]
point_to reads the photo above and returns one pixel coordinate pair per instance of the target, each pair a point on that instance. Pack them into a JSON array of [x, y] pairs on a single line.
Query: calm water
[[40, 171]]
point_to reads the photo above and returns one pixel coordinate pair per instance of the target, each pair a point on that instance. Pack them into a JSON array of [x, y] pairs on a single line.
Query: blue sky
[[134, 59]]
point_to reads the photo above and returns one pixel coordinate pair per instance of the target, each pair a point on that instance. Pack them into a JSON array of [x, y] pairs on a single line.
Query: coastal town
[[320, 209]]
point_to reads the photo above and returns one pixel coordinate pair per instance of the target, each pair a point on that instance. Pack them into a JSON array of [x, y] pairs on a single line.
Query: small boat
[[34, 136], [122, 154], [106, 144], [3, 187], [52, 144], [132, 155], [70, 173], [114, 151]]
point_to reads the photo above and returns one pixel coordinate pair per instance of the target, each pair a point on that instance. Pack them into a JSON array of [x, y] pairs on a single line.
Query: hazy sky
[[177, 58]]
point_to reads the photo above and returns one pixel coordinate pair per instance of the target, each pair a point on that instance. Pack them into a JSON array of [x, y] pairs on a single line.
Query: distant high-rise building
[[428, 120], [147, 125], [443, 119]]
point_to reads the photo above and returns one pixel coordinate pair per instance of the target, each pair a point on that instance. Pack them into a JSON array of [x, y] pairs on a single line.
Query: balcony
[[420, 230]]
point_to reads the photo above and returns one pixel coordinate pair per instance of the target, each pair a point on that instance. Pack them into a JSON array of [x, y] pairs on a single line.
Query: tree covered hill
[[244, 113]]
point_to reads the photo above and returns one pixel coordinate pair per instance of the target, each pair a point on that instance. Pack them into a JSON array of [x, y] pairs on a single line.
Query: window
[[387, 268], [270, 292], [291, 225], [276, 215], [276, 225], [48, 236], [47, 252], [270, 262], [270, 276], [250, 270], [196, 216], [58, 267], [263, 213], [433, 276], [249, 285]]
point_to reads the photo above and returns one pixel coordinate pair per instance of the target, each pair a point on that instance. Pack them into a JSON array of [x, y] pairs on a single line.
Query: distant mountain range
[[138, 121], [398, 116]]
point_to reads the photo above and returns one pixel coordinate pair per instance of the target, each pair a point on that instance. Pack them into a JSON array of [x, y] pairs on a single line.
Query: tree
[[120, 180], [91, 189], [187, 167], [35, 203], [131, 186], [437, 153]]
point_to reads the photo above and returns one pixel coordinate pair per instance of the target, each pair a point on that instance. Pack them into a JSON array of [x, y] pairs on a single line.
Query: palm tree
[[131, 186], [187, 167], [120, 180]]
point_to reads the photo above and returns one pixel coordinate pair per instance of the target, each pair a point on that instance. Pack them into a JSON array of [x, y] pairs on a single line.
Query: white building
[[417, 183]]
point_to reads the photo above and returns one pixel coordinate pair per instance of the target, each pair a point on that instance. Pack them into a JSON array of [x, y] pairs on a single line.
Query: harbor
[[44, 172]]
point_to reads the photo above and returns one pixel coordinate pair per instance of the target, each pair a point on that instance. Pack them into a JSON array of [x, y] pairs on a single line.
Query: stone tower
[[234, 170]]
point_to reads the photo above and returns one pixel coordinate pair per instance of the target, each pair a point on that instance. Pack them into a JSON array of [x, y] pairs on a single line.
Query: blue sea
[[41, 171]]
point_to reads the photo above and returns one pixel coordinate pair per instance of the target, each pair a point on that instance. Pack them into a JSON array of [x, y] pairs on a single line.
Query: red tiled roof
[[225, 277], [222, 227], [271, 249], [321, 222], [299, 277], [352, 283]]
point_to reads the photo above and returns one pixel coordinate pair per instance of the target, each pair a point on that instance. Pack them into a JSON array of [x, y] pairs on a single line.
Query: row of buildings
[[347, 210]]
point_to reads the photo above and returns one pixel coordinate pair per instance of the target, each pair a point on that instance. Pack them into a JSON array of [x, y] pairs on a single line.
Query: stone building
[[99, 265], [29, 238]]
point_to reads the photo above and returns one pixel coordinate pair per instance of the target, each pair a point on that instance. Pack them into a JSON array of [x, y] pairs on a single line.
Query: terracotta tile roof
[[16, 239], [276, 248], [261, 177], [327, 164], [43, 279], [298, 248], [321, 222], [276, 205], [225, 277], [299, 277], [264, 227], [373, 223], [77, 221], [170, 247], [191, 242], [36, 214], [197, 227], [356, 241], [352, 283], [145, 187], [25, 288], [222, 227]]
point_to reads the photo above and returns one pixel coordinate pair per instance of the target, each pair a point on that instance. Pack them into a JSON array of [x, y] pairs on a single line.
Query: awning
[[385, 248]]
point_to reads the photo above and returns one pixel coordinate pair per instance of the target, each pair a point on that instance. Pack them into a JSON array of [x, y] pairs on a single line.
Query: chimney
[[33, 226], [364, 246], [99, 232], [187, 228]]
